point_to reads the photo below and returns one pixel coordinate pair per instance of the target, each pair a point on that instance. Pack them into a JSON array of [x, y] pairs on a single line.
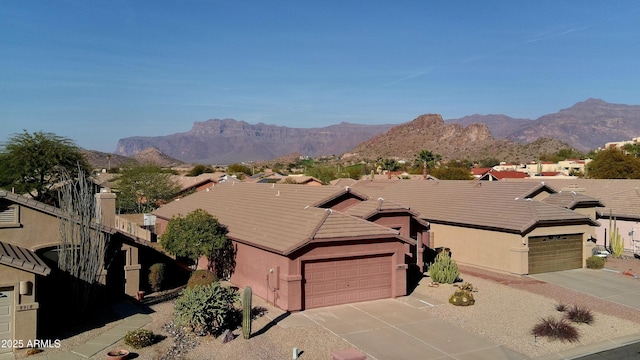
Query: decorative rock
[[227, 336]]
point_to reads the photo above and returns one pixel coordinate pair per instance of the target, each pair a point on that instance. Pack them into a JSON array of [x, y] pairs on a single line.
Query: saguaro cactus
[[246, 312]]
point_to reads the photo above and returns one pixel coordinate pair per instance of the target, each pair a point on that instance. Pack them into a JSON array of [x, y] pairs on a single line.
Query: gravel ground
[[506, 309]]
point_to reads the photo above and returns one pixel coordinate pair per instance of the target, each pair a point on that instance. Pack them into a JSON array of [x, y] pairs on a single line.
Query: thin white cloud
[[410, 76], [555, 35]]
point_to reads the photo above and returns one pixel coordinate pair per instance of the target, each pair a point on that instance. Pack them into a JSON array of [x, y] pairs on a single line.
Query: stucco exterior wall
[[37, 230], [25, 307], [395, 221], [483, 248], [495, 250], [629, 231], [253, 268]]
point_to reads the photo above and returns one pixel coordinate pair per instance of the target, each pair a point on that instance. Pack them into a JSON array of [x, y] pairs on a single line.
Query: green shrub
[[556, 329], [157, 276], [462, 298], [579, 314], [139, 338], [444, 269], [202, 278], [206, 309], [595, 262]]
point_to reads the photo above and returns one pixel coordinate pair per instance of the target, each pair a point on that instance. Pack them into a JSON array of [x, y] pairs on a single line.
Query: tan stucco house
[[29, 238]]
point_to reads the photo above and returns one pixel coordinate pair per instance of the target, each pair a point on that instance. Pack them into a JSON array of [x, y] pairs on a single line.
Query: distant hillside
[[584, 126], [500, 126], [102, 160], [452, 141], [227, 141], [156, 157]]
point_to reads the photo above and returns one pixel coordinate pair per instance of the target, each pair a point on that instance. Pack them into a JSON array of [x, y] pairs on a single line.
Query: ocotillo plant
[[246, 312]]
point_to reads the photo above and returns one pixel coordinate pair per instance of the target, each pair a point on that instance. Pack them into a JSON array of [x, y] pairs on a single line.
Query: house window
[[9, 216]]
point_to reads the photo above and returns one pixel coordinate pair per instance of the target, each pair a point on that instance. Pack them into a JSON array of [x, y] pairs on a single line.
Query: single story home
[[302, 247], [498, 225]]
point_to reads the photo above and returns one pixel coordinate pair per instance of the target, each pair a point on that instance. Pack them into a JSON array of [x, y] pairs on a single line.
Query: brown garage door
[[341, 281], [555, 253]]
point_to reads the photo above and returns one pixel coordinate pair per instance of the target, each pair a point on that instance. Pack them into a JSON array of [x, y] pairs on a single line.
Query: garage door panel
[[356, 279], [555, 253], [6, 317]]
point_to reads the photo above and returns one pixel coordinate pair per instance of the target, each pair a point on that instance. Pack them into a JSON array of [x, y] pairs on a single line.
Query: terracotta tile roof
[[491, 205], [23, 259], [276, 217], [501, 175], [480, 171]]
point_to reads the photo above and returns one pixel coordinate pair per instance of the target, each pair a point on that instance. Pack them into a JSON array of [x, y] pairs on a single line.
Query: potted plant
[[119, 354]]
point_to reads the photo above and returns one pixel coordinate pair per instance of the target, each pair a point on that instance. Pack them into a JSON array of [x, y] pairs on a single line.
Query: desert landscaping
[[506, 309]]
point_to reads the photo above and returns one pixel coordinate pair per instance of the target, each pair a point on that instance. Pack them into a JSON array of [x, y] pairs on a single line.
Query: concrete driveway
[[393, 329], [605, 284]]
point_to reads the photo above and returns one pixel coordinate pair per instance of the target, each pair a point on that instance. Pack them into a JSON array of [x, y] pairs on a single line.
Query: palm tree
[[428, 160]]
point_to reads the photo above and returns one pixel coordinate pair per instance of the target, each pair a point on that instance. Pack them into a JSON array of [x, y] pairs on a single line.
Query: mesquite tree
[[83, 244]]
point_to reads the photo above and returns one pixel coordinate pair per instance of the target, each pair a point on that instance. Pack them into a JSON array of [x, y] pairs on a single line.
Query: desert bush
[[556, 329], [561, 307], [579, 314], [466, 286], [139, 338], [444, 269], [462, 298], [206, 309], [595, 262], [202, 278], [157, 276]]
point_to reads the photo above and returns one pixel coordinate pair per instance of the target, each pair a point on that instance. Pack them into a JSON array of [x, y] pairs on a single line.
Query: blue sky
[[98, 71]]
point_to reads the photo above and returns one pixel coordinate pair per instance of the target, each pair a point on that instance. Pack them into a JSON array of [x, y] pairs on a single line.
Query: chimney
[[106, 208]]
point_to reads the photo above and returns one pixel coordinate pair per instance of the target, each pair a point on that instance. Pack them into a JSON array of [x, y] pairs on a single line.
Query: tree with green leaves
[[34, 163], [143, 188], [453, 170], [632, 149], [199, 170], [200, 234], [428, 160], [613, 164]]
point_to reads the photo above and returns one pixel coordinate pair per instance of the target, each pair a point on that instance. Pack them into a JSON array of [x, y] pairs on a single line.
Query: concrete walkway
[[133, 319]]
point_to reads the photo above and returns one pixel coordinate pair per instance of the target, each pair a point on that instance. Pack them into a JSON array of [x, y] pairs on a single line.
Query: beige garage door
[[341, 281], [6, 318], [555, 253]]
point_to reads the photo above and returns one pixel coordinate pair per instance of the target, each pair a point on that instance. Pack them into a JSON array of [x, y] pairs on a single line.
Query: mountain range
[[584, 126]]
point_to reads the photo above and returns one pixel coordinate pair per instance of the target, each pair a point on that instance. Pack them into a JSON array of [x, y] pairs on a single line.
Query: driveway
[[605, 284], [394, 329]]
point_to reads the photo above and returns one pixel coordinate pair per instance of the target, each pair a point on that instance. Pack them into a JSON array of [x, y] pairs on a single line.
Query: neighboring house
[[189, 184], [621, 201], [497, 225], [479, 172], [300, 180], [298, 247], [503, 175], [572, 166], [29, 239]]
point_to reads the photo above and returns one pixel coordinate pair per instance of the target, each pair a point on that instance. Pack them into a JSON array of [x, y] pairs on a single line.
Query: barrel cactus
[[246, 312], [462, 298]]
